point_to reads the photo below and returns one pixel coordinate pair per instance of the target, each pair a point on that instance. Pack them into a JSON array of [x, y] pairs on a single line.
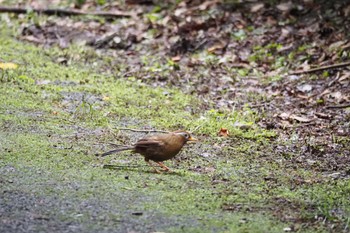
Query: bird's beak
[[192, 139]]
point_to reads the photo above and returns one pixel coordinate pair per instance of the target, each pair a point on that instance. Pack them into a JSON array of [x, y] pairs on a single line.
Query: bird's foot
[[154, 169], [162, 165], [157, 171]]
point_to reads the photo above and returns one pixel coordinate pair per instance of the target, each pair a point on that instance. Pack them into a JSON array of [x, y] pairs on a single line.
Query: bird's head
[[186, 135]]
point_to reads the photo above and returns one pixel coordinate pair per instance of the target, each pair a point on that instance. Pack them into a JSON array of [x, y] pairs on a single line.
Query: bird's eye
[[186, 135]]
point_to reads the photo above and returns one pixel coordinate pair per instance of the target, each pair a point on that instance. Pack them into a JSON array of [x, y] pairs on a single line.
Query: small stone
[[243, 220], [137, 213], [205, 155], [310, 162]]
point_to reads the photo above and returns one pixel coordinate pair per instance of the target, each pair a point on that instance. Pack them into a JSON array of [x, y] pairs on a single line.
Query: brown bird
[[159, 147]]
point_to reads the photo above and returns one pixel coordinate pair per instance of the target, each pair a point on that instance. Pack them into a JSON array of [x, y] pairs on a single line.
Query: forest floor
[[275, 76]]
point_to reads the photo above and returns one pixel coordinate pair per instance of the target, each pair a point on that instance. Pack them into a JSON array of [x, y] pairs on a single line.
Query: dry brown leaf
[[215, 47], [305, 97], [285, 124], [322, 58], [336, 95], [257, 7], [346, 11], [304, 88], [288, 116], [344, 77], [207, 4], [223, 132], [337, 44], [284, 115], [286, 6], [300, 118], [176, 58], [32, 39]]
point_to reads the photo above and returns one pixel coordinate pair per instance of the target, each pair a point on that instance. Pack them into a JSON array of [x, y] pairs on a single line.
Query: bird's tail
[[117, 150]]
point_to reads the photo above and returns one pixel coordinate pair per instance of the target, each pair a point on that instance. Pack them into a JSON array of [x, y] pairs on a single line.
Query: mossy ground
[[56, 117]]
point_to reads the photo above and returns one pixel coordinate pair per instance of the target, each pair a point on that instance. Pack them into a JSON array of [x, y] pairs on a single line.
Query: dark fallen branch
[[108, 166], [64, 12], [322, 68], [339, 106], [144, 130]]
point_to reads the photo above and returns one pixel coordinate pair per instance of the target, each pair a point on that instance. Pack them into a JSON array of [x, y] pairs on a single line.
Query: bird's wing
[[149, 142]]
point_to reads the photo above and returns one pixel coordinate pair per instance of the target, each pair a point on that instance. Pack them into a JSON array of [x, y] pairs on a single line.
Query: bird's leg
[[149, 163], [162, 165]]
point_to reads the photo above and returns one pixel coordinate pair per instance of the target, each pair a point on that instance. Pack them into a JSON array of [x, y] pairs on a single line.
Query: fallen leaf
[[300, 119], [243, 220], [285, 124], [344, 77], [176, 58], [215, 47], [337, 44], [304, 88], [207, 4], [223, 132], [336, 95], [257, 7], [106, 98], [8, 66], [346, 11], [284, 115], [286, 6], [322, 115], [42, 82], [205, 155], [62, 60]]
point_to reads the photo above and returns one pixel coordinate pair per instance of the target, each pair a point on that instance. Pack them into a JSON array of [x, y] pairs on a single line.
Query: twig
[[122, 166], [334, 80], [143, 130], [322, 68], [112, 132], [325, 91], [339, 106], [259, 105], [115, 145], [203, 42], [127, 73], [298, 125], [196, 128], [64, 12]]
